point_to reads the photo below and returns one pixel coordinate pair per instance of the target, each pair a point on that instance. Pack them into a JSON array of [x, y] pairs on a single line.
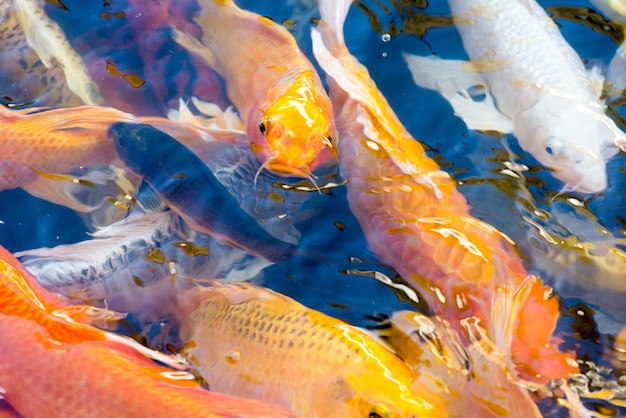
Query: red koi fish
[[416, 220], [278, 94], [52, 366]]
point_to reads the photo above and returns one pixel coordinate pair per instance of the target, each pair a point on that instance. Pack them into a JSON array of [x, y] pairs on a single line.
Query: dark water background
[[474, 159]]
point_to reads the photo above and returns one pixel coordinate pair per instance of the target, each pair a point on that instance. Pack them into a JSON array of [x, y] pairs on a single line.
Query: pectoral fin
[[194, 46], [452, 80], [597, 79]]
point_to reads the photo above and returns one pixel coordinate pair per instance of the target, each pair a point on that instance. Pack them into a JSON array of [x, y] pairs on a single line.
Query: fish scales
[[531, 38], [26, 79], [52, 366], [416, 220], [189, 188], [277, 91], [256, 343]]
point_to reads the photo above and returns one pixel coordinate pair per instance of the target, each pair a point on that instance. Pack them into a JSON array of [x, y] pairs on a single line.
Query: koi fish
[[77, 370], [475, 385], [536, 87], [253, 342], [416, 220], [187, 186], [38, 58], [278, 94], [124, 263], [26, 79], [33, 138]]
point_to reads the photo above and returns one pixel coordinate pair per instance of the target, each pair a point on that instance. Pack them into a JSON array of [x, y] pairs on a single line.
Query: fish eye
[[262, 128], [554, 146], [379, 411]]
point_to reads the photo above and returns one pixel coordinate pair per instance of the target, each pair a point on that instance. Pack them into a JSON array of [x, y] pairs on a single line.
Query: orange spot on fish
[[280, 68]]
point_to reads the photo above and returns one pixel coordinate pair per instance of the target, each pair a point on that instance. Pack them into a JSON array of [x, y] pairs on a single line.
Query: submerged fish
[[256, 343], [475, 385], [53, 366], [536, 87], [38, 64], [416, 220], [188, 187], [54, 141], [126, 265], [275, 88]]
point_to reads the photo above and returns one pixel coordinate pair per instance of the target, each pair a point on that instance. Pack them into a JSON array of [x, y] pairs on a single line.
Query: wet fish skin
[[416, 220], [54, 141], [537, 88], [256, 343], [188, 187], [52, 365], [277, 91]]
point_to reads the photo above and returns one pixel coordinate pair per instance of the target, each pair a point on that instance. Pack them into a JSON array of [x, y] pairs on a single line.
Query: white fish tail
[[334, 13]]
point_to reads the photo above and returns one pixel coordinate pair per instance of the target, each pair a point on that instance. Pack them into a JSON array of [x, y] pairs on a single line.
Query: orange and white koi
[[252, 342], [416, 220], [53, 366], [275, 88]]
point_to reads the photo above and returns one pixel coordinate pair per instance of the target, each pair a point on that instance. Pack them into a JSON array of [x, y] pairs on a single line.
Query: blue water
[[474, 159]]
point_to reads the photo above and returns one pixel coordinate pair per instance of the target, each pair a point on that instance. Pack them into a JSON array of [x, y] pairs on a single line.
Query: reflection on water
[[577, 243]]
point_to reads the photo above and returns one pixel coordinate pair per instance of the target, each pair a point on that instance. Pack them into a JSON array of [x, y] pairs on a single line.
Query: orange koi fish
[[416, 220], [278, 94], [256, 343], [52, 366], [54, 141]]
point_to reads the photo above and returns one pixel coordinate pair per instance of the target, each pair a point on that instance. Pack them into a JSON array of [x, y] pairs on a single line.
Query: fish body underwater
[[188, 187], [28, 79], [54, 141], [253, 342], [535, 86], [278, 94], [53, 366], [416, 220]]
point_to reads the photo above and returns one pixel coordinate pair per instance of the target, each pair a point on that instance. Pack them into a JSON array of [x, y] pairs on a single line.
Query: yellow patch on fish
[[296, 129], [254, 342]]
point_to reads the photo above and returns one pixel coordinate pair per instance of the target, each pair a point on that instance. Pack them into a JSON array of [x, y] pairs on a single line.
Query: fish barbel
[[53, 366], [416, 220], [275, 88], [253, 342], [536, 88], [181, 180]]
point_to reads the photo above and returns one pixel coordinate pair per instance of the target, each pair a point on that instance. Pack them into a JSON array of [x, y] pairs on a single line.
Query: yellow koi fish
[[53, 366], [252, 342], [416, 220], [278, 94]]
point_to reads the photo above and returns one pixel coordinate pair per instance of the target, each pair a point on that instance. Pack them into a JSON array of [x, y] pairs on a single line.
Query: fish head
[[572, 140], [292, 134], [132, 143]]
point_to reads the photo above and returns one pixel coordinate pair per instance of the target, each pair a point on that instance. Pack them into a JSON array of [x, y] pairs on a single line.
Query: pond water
[[575, 242]]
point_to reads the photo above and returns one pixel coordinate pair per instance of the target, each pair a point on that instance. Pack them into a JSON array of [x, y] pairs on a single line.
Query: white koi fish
[[536, 88]]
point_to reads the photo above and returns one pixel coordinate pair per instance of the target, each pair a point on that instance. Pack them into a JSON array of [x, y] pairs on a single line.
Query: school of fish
[[201, 170]]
